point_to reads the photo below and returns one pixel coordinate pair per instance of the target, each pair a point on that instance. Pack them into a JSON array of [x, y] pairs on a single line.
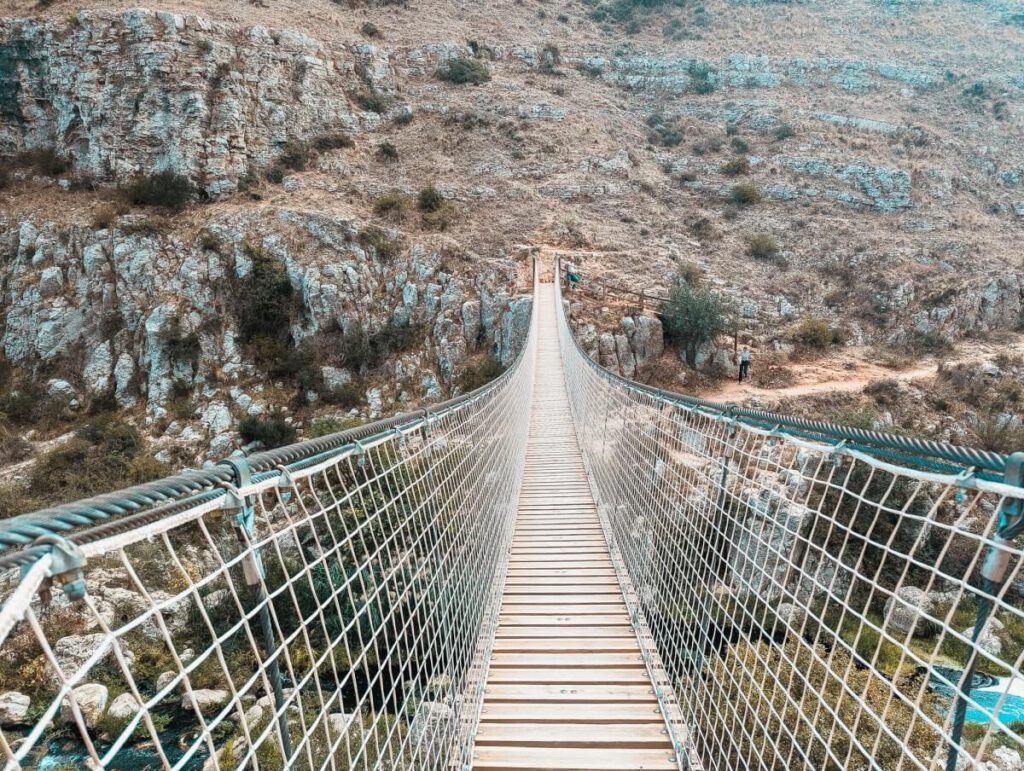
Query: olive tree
[[691, 317]]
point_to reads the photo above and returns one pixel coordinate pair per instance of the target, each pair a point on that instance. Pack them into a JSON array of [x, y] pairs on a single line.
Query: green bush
[[390, 204], [783, 132], [977, 90], [479, 374], [463, 70], [180, 345], [347, 396], [813, 334], [736, 167], [23, 405], [761, 246], [430, 199], [745, 194], [700, 78], [386, 151], [165, 188], [335, 141], [664, 130], [692, 317], [371, 30], [45, 160], [295, 155], [272, 431], [371, 101], [739, 145], [865, 418], [327, 426], [377, 239], [998, 433], [105, 455], [264, 298], [369, 350]]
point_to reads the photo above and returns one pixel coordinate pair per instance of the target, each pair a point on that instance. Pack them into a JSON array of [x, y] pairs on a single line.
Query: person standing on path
[[572, 275], [744, 363]]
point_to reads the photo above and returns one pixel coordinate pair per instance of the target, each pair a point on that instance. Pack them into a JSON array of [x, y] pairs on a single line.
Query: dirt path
[[850, 370], [732, 391]]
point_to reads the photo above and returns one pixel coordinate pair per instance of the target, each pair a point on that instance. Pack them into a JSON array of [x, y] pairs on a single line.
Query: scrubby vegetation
[[264, 298], [45, 161], [813, 334], [272, 431], [762, 246], [105, 454], [745, 194], [479, 373], [701, 78], [463, 71], [737, 738], [165, 189], [390, 204], [665, 131], [383, 245], [736, 167], [430, 199]]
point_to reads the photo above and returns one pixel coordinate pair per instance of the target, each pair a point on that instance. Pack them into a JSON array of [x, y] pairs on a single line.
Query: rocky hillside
[[379, 166]]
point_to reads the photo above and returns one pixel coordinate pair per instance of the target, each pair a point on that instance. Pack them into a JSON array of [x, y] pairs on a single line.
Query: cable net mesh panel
[[347, 627], [810, 608]]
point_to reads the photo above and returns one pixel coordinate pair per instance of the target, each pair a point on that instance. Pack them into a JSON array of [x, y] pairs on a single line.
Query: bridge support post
[[253, 570], [993, 576]]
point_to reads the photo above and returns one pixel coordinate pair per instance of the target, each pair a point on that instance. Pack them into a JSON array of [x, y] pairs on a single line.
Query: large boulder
[[904, 611], [988, 641], [13, 707], [74, 651], [431, 723], [123, 708], [91, 699], [207, 699], [646, 339]]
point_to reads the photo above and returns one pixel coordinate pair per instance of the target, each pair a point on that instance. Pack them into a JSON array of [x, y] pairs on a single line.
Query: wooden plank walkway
[[567, 687]]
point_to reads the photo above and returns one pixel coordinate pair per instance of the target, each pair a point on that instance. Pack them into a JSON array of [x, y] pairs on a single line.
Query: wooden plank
[[647, 735], [562, 676], [567, 660], [556, 609], [543, 712], [625, 630], [583, 692], [571, 759], [567, 644], [554, 598]]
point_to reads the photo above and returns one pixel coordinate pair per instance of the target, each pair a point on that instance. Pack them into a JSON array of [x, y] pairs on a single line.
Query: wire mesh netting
[[812, 606], [335, 614]]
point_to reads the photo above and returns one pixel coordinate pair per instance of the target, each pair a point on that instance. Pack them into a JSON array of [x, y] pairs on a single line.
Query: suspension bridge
[[560, 570]]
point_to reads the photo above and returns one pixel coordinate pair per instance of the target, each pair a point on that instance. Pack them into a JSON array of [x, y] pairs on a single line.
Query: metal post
[[252, 568], [993, 575]]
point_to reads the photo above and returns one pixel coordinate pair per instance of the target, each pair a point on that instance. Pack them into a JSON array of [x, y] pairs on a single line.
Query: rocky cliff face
[[147, 91], [110, 308], [882, 167]]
